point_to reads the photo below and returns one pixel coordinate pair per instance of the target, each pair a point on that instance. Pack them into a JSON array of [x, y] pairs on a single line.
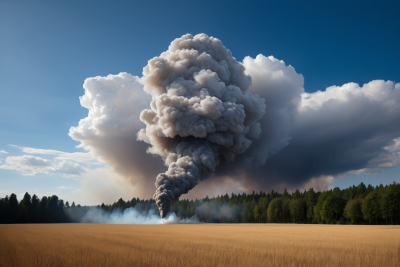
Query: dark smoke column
[[200, 113]]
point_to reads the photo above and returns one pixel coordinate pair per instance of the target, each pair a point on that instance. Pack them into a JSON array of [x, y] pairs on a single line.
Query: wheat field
[[199, 245]]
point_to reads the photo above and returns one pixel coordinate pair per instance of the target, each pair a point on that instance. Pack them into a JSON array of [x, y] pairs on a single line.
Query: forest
[[354, 205]]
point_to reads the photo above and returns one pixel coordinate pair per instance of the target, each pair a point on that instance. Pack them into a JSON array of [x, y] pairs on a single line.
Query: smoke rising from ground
[[304, 139], [219, 213], [127, 216], [173, 219], [206, 212], [201, 113]]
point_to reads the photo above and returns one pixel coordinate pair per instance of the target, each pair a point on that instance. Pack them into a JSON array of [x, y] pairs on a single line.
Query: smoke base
[[206, 212]]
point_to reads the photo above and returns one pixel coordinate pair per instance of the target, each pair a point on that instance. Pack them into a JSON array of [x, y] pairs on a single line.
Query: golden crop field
[[199, 245]]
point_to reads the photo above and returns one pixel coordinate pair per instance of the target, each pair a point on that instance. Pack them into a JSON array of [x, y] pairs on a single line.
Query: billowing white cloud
[[281, 87], [109, 131], [377, 91], [31, 165], [365, 120], [342, 130]]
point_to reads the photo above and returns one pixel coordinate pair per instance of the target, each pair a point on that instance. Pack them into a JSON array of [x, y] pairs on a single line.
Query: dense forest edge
[[354, 205]]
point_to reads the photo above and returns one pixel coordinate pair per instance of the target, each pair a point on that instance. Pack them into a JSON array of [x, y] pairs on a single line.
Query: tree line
[[32, 209], [354, 205]]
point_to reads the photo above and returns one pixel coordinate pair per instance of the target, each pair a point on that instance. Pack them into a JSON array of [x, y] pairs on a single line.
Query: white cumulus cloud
[[110, 130], [342, 130]]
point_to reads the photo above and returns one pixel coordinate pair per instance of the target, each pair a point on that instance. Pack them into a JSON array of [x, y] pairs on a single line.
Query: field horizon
[[199, 245]]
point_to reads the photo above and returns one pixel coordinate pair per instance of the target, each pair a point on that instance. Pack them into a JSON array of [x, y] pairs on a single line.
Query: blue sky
[[48, 49]]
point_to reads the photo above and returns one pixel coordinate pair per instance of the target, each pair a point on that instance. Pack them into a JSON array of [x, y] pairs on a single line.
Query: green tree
[[251, 205], [263, 205], [371, 207], [35, 208], [361, 189], [26, 209], [311, 201], [13, 209], [245, 212], [233, 201], [327, 214], [319, 205], [192, 210], [257, 214], [42, 210], [390, 203], [353, 210], [297, 207], [296, 194], [332, 208], [347, 194], [274, 212], [3, 215], [52, 214], [285, 194]]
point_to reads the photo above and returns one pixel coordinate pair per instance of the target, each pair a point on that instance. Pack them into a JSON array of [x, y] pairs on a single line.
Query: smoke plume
[[201, 113]]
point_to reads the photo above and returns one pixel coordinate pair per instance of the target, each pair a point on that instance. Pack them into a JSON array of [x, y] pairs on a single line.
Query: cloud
[[342, 130], [63, 187], [80, 157], [109, 131], [3, 152], [68, 168], [281, 87], [30, 161], [31, 165]]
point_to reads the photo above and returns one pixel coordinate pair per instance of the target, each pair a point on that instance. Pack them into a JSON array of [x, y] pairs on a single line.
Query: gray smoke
[[117, 216], [206, 212], [132, 215], [201, 113], [219, 213]]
